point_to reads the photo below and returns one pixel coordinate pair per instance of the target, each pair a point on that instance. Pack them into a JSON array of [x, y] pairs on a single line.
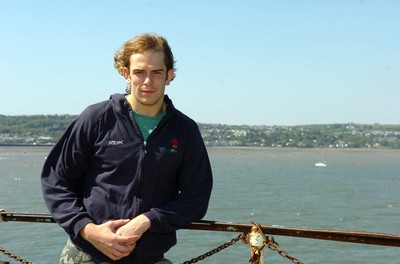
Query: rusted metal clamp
[[257, 241]]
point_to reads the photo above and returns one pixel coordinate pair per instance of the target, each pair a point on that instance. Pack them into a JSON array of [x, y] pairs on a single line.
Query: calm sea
[[358, 190]]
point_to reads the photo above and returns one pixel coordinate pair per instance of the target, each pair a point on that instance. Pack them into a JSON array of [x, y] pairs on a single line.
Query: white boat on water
[[320, 164]]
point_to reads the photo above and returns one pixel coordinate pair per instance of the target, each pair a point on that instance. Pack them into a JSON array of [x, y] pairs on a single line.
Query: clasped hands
[[116, 238]]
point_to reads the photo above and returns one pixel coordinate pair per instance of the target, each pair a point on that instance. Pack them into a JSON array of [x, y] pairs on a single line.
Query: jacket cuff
[[154, 220], [80, 224]]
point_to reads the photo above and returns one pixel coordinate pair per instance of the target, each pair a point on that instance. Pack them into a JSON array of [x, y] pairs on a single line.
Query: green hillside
[[46, 129]]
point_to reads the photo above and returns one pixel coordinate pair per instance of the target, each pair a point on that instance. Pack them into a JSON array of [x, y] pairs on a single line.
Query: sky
[[282, 62]]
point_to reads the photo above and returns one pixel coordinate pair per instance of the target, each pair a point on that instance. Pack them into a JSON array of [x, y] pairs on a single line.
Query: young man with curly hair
[[131, 170]]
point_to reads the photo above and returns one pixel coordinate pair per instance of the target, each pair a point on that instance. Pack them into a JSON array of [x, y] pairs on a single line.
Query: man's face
[[148, 77]]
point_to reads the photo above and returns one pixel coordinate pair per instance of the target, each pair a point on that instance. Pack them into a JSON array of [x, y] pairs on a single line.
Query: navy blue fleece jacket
[[101, 169]]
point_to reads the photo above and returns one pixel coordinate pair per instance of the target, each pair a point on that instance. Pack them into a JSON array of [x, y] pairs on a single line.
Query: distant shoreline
[[245, 148], [26, 145], [305, 149]]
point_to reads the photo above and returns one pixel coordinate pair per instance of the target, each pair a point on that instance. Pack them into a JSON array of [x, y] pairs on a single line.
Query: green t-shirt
[[147, 123]]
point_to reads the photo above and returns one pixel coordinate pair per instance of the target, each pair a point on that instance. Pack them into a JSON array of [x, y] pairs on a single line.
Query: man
[[131, 170]]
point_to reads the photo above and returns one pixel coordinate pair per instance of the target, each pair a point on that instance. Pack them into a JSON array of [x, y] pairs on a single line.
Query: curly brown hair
[[140, 44]]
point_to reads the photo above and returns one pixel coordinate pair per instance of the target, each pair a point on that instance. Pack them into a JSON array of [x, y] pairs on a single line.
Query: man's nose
[[148, 78]]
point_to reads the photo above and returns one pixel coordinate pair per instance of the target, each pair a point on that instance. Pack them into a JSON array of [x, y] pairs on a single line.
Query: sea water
[[358, 190]]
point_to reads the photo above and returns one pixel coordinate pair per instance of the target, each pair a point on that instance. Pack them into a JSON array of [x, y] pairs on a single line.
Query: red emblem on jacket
[[174, 145]]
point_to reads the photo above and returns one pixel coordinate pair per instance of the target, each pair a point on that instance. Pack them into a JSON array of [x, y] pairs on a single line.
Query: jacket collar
[[121, 105]]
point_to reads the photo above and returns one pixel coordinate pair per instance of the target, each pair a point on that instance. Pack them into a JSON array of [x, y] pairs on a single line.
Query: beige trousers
[[72, 255]]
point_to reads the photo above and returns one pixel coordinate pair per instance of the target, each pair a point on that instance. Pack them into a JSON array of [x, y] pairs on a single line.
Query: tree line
[[47, 129]]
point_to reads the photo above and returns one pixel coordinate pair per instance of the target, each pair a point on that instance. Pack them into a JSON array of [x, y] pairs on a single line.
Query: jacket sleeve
[[61, 177], [195, 183]]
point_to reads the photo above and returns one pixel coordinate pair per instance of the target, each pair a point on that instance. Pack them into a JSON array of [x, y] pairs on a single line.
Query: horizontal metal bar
[[361, 237], [382, 239]]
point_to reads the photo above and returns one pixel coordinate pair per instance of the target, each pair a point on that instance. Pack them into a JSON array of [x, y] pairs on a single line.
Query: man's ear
[[125, 73], [170, 76]]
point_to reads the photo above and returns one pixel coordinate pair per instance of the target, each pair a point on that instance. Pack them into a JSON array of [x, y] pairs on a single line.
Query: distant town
[[45, 130]]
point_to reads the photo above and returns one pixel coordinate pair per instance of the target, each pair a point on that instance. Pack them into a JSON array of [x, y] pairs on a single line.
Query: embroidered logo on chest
[[174, 146], [115, 142]]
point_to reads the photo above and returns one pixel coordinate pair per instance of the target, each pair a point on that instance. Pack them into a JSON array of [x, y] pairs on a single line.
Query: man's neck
[[153, 110]]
